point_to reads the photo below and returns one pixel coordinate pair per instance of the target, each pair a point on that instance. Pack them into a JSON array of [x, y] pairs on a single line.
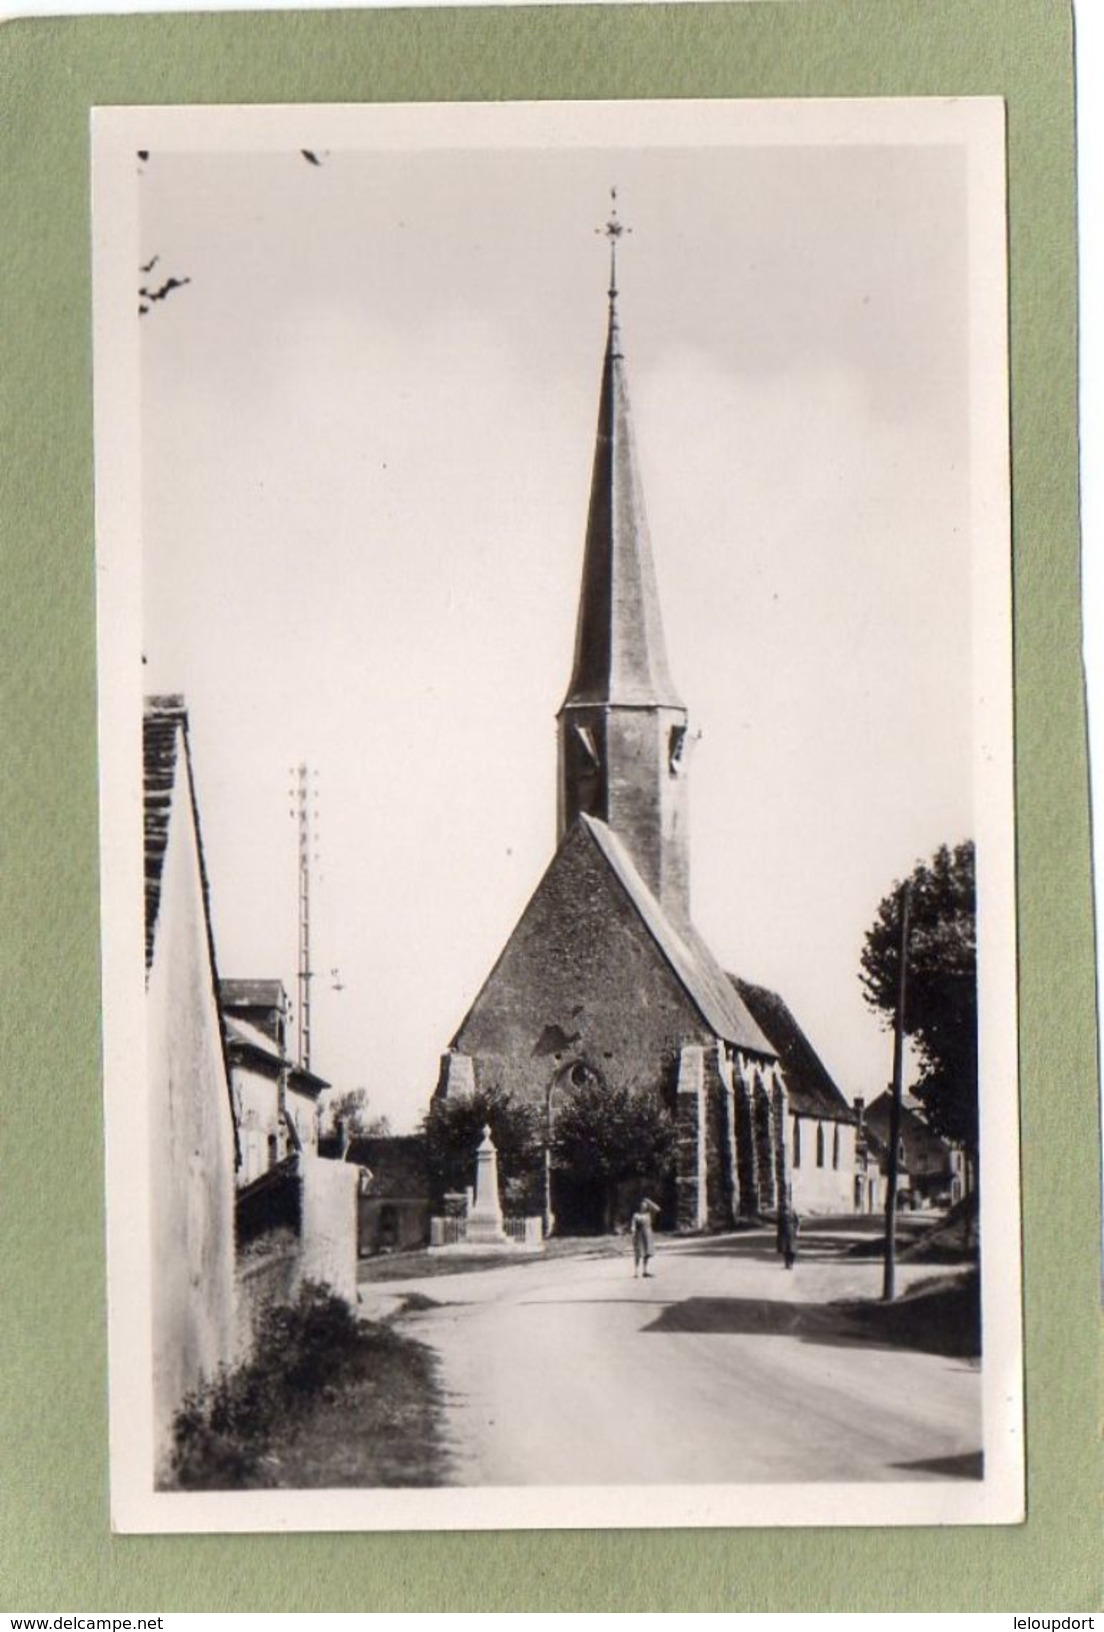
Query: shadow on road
[[944, 1322], [605, 1303], [818, 1246], [970, 1465]]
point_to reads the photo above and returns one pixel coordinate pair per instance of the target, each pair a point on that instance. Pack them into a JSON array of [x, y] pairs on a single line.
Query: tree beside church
[[941, 994]]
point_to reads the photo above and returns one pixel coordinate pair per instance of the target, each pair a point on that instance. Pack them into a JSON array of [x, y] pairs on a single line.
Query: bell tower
[[623, 731]]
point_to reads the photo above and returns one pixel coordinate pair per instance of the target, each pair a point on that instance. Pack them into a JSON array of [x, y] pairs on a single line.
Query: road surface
[[723, 1368]]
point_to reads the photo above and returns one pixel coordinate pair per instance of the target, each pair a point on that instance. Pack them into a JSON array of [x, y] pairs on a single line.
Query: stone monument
[[485, 1217]]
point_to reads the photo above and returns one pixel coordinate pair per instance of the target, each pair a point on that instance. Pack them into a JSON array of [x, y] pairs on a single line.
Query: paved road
[[721, 1369]]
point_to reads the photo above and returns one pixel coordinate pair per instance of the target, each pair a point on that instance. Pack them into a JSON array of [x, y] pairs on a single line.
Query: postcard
[[556, 741]]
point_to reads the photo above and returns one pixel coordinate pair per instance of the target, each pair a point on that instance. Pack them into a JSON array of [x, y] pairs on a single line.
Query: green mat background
[[56, 1550]]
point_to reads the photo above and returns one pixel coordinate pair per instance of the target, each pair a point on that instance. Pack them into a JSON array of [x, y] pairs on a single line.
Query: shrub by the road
[[325, 1400]]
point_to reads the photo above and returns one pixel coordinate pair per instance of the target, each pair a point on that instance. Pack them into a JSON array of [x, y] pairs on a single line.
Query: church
[[605, 978]]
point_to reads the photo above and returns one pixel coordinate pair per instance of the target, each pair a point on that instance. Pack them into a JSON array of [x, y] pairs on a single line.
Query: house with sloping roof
[[275, 1101], [192, 1145], [826, 1173], [605, 979], [871, 1165], [394, 1203], [931, 1170]]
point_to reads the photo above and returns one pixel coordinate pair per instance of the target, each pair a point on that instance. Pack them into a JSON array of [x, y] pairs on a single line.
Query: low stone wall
[[274, 1266], [267, 1274]]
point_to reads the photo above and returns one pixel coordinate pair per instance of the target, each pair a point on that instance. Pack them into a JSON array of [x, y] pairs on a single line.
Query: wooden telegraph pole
[[889, 1280]]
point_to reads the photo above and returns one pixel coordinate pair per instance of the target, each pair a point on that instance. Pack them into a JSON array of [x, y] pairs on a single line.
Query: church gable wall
[[581, 979]]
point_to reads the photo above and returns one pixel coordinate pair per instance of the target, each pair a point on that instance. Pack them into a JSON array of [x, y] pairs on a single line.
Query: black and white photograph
[[558, 889]]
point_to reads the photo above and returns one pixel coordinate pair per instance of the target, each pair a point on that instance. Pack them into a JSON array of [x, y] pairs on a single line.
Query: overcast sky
[[367, 429]]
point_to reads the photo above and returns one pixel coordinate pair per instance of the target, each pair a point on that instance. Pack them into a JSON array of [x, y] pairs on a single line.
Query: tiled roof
[[913, 1122], [397, 1163], [811, 1090], [246, 1041], [165, 756], [261, 1004], [252, 1046], [240, 1031], [721, 1006], [251, 994], [307, 1082], [164, 731]]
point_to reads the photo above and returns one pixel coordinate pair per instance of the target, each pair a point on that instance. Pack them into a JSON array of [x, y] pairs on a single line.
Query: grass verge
[[939, 1315], [327, 1401], [423, 1265]]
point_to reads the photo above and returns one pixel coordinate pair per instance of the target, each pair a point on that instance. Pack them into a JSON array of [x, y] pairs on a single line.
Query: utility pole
[[302, 796], [889, 1280]]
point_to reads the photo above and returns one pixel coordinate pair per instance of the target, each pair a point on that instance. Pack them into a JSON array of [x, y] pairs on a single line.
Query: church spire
[[622, 727], [620, 654]]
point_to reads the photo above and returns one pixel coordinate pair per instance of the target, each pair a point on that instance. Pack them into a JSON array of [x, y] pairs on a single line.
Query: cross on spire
[[620, 655], [613, 230]]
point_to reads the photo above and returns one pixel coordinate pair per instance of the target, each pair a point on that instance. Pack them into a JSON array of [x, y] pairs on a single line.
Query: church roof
[[810, 1088], [620, 654], [718, 1001]]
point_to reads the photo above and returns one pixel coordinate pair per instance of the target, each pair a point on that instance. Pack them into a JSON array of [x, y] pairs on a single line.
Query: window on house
[[820, 1144], [835, 1145], [797, 1141]]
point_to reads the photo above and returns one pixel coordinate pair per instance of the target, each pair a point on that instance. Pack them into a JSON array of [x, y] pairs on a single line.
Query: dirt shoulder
[[327, 1400]]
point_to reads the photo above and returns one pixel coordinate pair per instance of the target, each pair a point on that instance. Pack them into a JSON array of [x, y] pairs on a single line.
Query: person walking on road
[[642, 1236], [789, 1226]]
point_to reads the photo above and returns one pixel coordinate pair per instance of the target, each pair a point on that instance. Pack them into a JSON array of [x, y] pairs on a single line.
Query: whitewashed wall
[[826, 1189], [192, 1138]]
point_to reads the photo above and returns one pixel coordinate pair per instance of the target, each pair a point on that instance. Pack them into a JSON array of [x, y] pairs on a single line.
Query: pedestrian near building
[[643, 1237], [789, 1227]]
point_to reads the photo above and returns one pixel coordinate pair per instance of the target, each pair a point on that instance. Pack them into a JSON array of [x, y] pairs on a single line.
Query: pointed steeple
[[620, 654], [622, 728]]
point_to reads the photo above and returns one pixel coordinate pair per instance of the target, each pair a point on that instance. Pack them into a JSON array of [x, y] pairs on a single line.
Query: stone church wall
[[747, 1151], [580, 979], [766, 1140], [719, 1173]]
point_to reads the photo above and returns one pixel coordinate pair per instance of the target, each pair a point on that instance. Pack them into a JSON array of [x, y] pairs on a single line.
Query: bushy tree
[[453, 1131], [349, 1112], [940, 985], [609, 1135]]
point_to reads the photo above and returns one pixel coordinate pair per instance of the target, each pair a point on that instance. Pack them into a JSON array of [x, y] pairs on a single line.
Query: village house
[[275, 1101], [394, 1204], [212, 1271], [871, 1164], [932, 1171]]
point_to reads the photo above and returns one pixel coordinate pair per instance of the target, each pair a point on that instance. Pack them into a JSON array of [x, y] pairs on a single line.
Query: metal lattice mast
[[301, 811]]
